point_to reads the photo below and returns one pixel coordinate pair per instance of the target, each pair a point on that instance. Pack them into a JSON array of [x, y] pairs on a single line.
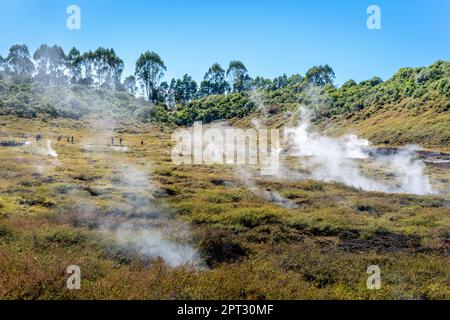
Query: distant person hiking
[[112, 140], [120, 140]]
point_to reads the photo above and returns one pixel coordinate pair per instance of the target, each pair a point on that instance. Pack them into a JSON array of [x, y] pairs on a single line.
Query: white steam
[[248, 177], [50, 151], [334, 159], [153, 243], [46, 150], [137, 220], [143, 227]]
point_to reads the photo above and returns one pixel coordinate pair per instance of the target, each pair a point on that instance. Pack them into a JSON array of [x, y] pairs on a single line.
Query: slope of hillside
[[76, 206], [398, 125], [413, 107]]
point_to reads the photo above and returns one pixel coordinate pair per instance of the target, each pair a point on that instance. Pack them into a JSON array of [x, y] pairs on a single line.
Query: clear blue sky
[[270, 37]]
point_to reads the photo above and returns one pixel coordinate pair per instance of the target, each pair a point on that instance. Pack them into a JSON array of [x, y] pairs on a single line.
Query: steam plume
[[334, 159]]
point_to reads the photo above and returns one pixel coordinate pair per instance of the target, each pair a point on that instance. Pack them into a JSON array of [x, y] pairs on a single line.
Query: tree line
[[103, 68]]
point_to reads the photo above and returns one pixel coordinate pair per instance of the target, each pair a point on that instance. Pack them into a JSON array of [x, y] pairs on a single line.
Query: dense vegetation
[[76, 85], [30, 99]]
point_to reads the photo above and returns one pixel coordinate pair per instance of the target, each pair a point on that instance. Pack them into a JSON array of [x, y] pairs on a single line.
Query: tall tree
[[163, 93], [295, 79], [101, 68], [214, 81], [320, 75], [280, 82], [261, 83], [129, 84], [18, 61], [238, 76], [183, 89], [116, 67], [73, 58], [51, 65], [82, 67], [106, 66], [150, 70]]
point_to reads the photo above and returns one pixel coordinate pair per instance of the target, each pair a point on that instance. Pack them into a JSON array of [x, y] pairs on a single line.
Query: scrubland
[[53, 213]]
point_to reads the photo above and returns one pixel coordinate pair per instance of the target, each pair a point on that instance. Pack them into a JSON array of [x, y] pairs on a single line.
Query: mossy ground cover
[[251, 247]]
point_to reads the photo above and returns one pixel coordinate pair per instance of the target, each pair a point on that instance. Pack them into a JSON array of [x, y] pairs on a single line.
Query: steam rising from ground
[[46, 150], [347, 159], [334, 159], [153, 243], [247, 173], [139, 222], [50, 151], [248, 177], [340, 159], [47, 156], [144, 227]]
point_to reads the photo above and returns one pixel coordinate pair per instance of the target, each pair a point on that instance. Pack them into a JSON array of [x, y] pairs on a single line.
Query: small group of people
[[69, 139], [121, 141]]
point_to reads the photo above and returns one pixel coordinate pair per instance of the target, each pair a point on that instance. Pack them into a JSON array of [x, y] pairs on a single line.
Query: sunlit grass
[[252, 248]]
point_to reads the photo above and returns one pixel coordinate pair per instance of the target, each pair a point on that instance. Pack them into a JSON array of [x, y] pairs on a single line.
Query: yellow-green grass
[[400, 125], [252, 248]]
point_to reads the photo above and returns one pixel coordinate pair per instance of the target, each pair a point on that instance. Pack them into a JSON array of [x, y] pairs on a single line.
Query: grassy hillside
[[51, 213], [411, 107], [317, 242]]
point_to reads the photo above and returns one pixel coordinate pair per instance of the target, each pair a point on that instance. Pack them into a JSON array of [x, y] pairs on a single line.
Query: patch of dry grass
[[252, 248]]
